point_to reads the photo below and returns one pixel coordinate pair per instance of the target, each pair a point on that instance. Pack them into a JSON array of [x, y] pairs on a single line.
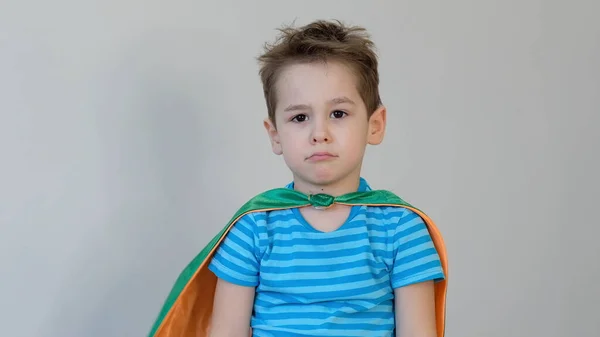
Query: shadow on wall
[[151, 110]]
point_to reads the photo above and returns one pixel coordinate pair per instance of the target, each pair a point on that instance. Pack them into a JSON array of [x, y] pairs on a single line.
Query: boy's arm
[[236, 265], [416, 266], [415, 310], [232, 310]]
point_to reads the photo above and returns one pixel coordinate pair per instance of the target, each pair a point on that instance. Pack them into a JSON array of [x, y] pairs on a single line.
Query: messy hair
[[322, 41]]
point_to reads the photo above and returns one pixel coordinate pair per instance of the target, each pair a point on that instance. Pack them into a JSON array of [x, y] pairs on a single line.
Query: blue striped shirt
[[340, 283]]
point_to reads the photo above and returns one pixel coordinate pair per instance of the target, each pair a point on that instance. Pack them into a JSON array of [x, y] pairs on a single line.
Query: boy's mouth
[[319, 156]]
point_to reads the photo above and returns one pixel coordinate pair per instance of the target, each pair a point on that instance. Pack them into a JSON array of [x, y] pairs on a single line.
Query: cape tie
[[321, 200]]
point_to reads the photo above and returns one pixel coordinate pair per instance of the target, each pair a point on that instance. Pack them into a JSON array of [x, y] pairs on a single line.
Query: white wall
[[122, 124]]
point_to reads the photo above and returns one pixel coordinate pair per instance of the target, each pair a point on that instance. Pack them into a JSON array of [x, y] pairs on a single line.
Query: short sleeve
[[235, 260], [415, 257]]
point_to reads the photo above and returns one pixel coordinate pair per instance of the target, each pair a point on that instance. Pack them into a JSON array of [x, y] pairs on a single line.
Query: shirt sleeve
[[235, 260], [415, 257]]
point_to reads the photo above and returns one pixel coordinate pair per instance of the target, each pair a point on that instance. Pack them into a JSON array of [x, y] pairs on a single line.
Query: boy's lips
[[318, 156]]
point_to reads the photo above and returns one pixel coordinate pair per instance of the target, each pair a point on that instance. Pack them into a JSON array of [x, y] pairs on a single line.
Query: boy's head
[[321, 88], [322, 41]]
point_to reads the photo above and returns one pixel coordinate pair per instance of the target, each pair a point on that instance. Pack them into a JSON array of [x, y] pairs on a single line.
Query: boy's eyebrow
[[296, 107], [337, 100], [342, 99]]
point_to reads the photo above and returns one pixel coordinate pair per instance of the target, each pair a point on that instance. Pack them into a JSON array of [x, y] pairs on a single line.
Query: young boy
[[339, 271]]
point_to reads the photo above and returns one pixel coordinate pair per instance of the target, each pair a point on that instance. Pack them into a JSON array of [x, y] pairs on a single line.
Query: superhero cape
[[187, 310]]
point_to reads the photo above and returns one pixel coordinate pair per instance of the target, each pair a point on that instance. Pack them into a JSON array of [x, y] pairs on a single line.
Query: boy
[[335, 271]]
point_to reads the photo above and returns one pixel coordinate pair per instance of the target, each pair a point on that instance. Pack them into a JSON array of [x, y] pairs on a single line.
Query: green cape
[[187, 310]]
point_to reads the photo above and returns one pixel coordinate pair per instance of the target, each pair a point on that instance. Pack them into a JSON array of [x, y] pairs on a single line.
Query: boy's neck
[[341, 187]]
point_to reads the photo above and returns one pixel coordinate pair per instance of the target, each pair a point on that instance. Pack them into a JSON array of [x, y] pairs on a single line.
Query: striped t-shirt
[[340, 283]]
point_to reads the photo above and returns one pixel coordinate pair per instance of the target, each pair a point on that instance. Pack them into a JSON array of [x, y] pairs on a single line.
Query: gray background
[[124, 123]]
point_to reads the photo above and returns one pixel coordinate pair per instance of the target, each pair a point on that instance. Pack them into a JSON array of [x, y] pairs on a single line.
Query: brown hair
[[322, 41]]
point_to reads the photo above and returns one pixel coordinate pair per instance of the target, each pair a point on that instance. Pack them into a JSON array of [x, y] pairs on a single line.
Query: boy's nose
[[320, 132], [321, 135], [320, 138]]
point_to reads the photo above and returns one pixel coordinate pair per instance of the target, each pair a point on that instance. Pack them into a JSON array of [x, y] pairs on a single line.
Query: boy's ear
[[273, 136], [377, 126]]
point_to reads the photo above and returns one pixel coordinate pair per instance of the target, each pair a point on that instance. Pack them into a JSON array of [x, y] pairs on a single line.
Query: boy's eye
[[338, 114], [299, 118]]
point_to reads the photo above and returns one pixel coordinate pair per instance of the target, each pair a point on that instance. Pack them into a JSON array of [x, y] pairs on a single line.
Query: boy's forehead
[[315, 83]]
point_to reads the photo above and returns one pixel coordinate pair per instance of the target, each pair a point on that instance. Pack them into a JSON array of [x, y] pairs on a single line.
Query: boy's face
[[321, 126]]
